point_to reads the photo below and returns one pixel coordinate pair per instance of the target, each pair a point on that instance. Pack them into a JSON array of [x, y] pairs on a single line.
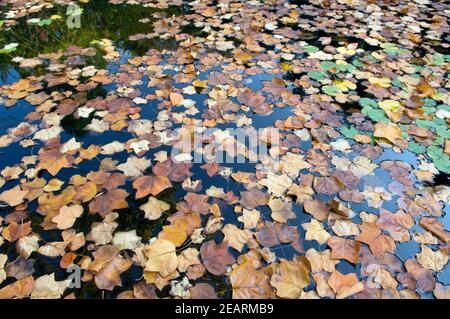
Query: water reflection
[[99, 20]]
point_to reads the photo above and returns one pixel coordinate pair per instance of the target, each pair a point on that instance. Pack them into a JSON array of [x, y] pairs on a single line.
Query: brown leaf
[[109, 276], [67, 216], [345, 285], [236, 237], [347, 249], [176, 172], [86, 192], [176, 99], [49, 203], [161, 257], [290, 277], [378, 242], [441, 291], [202, 291], [211, 168], [249, 283], [175, 233], [53, 161], [106, 203], [141, 290], [253, 198], [274, 233], [19, 289], [328, 185], [424, 277], [397, 224], [317, 208], [15, 231], [281, 210], [35, 188], [13, 196], [194, 203], [435, 228], [151, 184], [20, 268], [67, 260], [391, 133], [216, 257]]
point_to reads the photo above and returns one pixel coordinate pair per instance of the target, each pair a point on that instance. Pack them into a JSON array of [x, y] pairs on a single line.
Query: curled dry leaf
[[26, 245], [3, 260], [441, 292], [436, 228], [188, 257]]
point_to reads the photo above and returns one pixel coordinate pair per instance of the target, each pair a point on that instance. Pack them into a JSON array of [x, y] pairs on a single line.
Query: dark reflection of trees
[[99, 20]]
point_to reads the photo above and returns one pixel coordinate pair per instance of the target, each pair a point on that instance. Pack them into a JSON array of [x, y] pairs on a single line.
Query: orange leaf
[[152, 184]]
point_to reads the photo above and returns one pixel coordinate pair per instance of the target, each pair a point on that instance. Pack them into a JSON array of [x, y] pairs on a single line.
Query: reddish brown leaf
[[216, 258], [151, 184], [106, 203], [347, 249]]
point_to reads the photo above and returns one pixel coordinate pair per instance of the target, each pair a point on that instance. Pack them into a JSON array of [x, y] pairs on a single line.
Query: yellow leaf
[[433, 260], [345, 51], [344, 85], [200, 84], [53, 185], [315, 231], [290, 277], [389, 105], [236, 237], [154, 208], [286, 66], [161, 257], [13, 196], [67, 216], [383, 82], [175, 233]]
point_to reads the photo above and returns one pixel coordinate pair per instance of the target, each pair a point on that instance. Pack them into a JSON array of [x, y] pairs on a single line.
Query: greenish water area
[[99, 20]]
